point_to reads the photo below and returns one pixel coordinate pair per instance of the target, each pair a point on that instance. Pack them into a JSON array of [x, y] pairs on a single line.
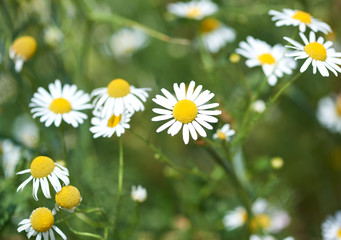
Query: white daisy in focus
[[318, 53], [266, 218], [62, 103], [117, 97], [26, 131], [127, 41], [10, 154], [215, 35], [22, 49], [299, 18], [258, 106], [196, 9], [188, 110], [272, 59], [44, 170], [331, 227], [106, 127], [329, 113], [138, 194], [224, 133], [68, 198], [40, 224]]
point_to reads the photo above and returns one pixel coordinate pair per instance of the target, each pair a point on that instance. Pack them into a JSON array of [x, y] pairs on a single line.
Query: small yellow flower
[[22, 49], [277, 162], [234, 58], [68, 198]]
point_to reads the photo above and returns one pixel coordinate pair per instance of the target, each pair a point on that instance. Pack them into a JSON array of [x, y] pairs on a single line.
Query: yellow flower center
[[316, 51], [209, 25], [69, 197], [185, 111], [338, 105], [193, 12], [266, 58], [60, 105], [339, 233], [261, 221], [118, 88], [24, 46], [221, 135], [303, 17], [42, 219], [42, 166], [114, 120], [234, 58]]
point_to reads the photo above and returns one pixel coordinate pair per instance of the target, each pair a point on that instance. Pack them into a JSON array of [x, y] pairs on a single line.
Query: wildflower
[[277, 162], [196, 9], [53, 36], [224, 133], [215, 35], [11, 155], [299, 18], [267, 237], [26, 131], [117, 97], [62, 103], [266, 218], [138, 194], [272, 59], [258, 106], [331, 227], [110, 125], [187, 111], [22, 49], [329, 113], [127, 41], [40, 224], [321, 55], [44, 169], [68, 198], [234, 58]]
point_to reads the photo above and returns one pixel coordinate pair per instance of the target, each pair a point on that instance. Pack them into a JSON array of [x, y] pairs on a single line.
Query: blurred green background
[[179, 206]]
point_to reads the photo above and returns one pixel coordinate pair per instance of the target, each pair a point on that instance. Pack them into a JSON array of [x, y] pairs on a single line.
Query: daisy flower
[[299, 18], [22, 49], [215, 35], [188, 110], [117, 97], [62, 103], [138, 194], [10, 154], [235, 218], [193, 9], [272, 59], [267, 237], [127, 41], [331, 227], [317, 52], [43, 170], [26, 131], [329, 113], [224, 133], [68, 198], [258, 106], [40, 224]]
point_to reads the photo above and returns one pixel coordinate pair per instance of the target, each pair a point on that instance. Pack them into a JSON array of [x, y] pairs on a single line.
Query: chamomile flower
[[26, 131], [138, 194], [318, 53], [271, 59], [22, 49], [329, 113], [235, 218], [127, 41], [44, 170], [267, 237], [107, 126], [331, 227], [188, 110], [10, 155], [40, 224], [215, 35], [258, 106], [299, 18], [62, 103], [196, 9], [68, 198], [224, 133], [117, 97]]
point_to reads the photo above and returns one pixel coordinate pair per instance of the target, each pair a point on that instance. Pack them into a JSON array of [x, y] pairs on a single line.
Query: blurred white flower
[[258, 106], [329, 113], [11, 154], [53, 36], [138, 194], [126, 42], [26, 131], [235, 218], [224, 133], [331, 227], [196, 9], [267, 237]]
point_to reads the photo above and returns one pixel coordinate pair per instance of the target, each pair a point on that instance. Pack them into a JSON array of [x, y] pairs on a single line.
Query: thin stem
[[62, 139], [242, 77]]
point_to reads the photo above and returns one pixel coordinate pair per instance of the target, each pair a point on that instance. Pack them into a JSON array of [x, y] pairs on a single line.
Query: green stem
[[62, 139]]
